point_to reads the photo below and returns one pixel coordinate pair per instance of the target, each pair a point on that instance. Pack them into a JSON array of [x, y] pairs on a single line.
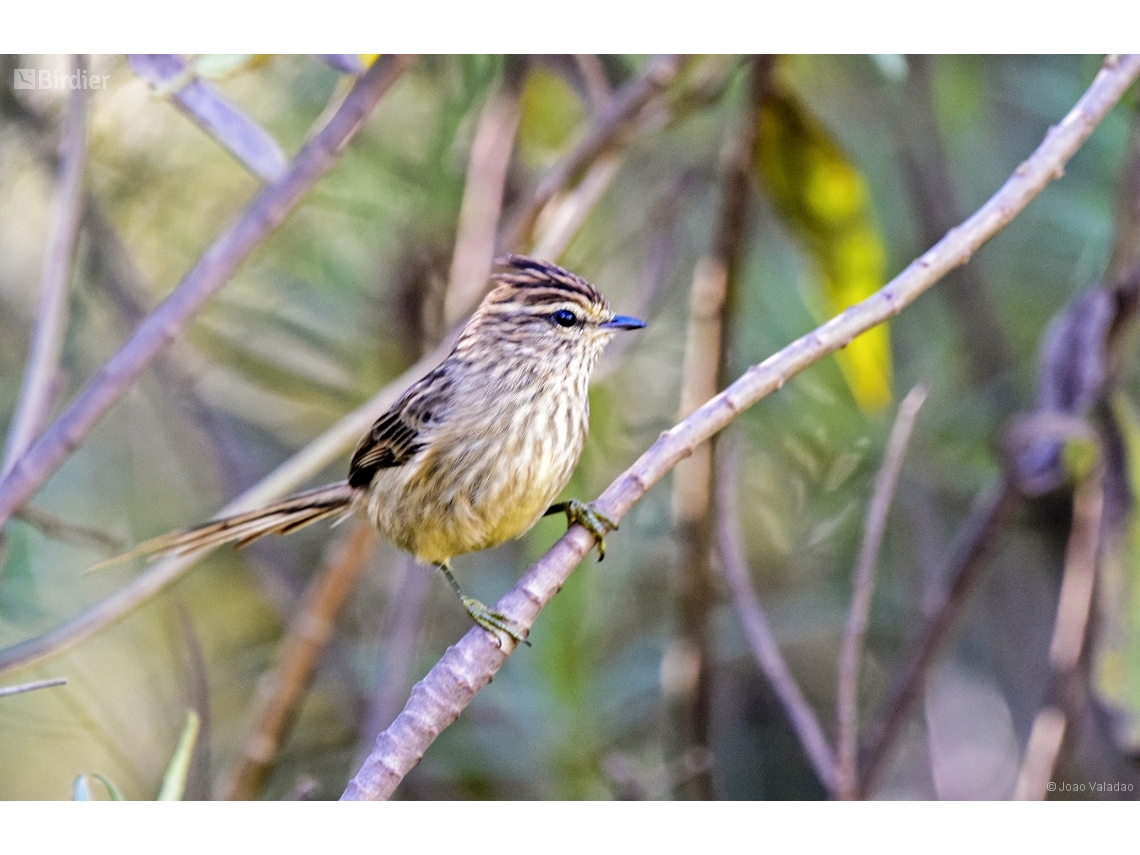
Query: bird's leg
[[493, 622], [595, 522]]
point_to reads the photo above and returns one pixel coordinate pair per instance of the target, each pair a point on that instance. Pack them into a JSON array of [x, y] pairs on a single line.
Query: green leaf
[[115, 793], [1116, 656], [174, 781]]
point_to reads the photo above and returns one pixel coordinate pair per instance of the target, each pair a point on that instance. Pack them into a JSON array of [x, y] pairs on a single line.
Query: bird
[[474, 453]]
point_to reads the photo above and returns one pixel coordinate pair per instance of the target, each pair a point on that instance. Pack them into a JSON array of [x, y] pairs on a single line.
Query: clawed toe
[[497, 624]]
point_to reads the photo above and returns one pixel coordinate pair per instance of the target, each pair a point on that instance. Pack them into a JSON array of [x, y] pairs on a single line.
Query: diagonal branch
[[712, 300], [846, 709], [470, 664], [160, 575], [972, 550], [5, 691], [213, 270], [281, 691], [1069, 630], [244, 138], [760, 638], [42, 372], [615, 121]]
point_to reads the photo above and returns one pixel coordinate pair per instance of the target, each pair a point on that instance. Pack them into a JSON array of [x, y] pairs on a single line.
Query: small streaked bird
[[475, 452]]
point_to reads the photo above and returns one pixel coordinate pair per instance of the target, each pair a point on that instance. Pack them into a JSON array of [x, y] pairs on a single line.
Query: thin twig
[[1069, 629], [756, 628], [281, 690], [245, 139], [52, 526], [851, 651], [974, 546], [288, 476], [597, 84], [31, 687], [562, 218], [482, 203], [211, 272], [402, 625], [471, 262], [50, 328], [711, 299], [470, 664], [615, 121]]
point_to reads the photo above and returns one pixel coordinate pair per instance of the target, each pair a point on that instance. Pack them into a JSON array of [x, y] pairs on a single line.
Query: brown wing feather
[[398, 434]]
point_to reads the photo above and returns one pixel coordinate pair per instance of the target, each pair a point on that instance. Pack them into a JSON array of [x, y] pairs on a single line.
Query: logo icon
[[24, 78]]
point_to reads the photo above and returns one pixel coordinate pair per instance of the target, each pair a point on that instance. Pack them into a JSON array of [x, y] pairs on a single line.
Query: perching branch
[[41, 374], [470, 664], [290, 475], [213, 270], [756, 628], [851, 652]]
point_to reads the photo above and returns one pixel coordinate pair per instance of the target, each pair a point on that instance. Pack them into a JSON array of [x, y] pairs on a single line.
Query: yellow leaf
[[822, 196], [1116, 654]]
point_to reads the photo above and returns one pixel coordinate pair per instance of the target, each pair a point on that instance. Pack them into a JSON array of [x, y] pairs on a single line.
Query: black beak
[[622, 322]]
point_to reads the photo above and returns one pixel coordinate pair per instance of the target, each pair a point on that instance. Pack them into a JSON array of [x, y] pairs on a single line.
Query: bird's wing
[[398, 434]]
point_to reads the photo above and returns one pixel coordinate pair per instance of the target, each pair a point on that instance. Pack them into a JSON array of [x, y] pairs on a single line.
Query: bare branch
[[213, 270], [615, 121], [470, 664], [711, 299], [402, 625], [975, 543], [31, 687], [851, 652], [244, 138], [345, 63], [1069, 629], [482, 203], [52, 526], [281, 690], [756, 628], [41, 375], [562, 218], [594, 77], [288, 476]]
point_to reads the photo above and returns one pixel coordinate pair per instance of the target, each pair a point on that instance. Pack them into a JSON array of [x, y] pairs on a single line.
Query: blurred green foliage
[[345, 296]]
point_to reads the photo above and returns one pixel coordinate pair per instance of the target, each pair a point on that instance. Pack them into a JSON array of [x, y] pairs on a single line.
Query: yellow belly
[[445, 504]]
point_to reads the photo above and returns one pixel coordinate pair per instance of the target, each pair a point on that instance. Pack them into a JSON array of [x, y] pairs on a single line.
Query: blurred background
[[811, 181]]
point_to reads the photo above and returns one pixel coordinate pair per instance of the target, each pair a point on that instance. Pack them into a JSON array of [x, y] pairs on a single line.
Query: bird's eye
[[564, 318]]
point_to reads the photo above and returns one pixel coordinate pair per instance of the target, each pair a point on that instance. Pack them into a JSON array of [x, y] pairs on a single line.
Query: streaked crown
[[540, 308]]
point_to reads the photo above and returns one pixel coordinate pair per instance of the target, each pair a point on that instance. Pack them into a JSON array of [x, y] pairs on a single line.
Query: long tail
[[281, 517]]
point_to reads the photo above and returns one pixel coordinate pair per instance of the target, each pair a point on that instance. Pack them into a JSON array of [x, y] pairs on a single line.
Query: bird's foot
[[595, 522], [497, 624]]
